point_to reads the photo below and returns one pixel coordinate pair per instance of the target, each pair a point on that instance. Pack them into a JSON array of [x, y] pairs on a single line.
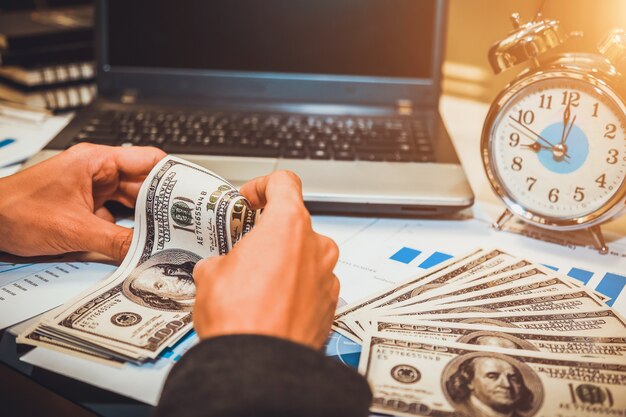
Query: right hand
[[278, 280]]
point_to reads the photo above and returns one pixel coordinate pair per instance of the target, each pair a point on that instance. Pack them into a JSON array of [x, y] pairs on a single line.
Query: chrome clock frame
[[589, 69]]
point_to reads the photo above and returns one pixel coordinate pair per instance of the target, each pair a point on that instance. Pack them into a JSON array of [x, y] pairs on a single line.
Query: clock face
[[558, 147]]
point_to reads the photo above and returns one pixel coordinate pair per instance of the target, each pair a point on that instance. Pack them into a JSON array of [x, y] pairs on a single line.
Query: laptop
[[344, 93]]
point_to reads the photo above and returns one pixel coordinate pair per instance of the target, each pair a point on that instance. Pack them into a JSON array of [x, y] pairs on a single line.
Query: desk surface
[[58, 395]]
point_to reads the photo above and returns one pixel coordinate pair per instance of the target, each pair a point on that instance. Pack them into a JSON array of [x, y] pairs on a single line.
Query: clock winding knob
[[525, 43], [613, 48]]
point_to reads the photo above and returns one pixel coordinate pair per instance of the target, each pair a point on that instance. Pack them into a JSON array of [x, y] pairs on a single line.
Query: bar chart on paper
[[392, 251], [27, 290]]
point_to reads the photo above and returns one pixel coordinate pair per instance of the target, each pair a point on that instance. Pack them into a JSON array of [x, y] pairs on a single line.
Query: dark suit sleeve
[[248, 375]]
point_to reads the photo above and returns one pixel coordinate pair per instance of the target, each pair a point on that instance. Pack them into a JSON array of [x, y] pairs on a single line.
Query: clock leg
[[596, 232], [504, 217]]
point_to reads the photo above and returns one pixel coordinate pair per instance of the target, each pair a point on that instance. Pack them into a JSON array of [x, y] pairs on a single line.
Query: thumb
[[107, 238]]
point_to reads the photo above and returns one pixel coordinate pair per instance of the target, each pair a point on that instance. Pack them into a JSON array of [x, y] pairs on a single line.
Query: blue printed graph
[[611, 286], [435, 259], [581, 275], [6, 267], [343, 349], [405, 255]]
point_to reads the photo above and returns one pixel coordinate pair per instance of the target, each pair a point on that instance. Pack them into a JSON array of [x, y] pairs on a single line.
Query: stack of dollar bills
[[489, 334], [184, 213]]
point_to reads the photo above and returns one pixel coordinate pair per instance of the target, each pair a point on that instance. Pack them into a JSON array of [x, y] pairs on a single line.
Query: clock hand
[[569, 130], [566, 116], [536, 134], [535, 146]]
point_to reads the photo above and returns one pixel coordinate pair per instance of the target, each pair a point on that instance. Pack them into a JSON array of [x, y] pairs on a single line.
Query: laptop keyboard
[[265, 135]]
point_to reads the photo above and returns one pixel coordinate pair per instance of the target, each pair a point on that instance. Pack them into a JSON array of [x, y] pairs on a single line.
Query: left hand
[[57, 206]]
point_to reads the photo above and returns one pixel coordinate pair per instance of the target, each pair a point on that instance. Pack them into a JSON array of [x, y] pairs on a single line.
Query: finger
[[104, 214], [127, 192], [329, 251], [203, 269], [106, 238], [115, 168], [137, 161], [279, 188]]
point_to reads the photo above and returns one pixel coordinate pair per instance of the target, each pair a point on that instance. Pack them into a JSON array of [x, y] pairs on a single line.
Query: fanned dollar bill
[[567, 343], [184, 213], [490, 334], [413, 378]]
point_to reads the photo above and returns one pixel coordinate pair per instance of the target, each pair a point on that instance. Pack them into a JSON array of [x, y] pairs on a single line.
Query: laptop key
[[398, 157], [294, 154], [344, 156], [319, 154]]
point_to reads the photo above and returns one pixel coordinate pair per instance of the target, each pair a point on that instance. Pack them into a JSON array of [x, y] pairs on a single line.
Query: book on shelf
[[47, 75], [51, 54], [36, 29], [55, 99]]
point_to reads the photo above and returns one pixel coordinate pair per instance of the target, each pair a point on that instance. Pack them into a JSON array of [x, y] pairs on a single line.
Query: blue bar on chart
[[554, 268], [435, 259], [405, 255], [580, 274], [12, 267], [611, 286]]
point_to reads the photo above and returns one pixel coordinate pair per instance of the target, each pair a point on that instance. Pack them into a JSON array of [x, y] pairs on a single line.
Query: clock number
[[527, 117], [610, 131], [612, 159], [546, 102], [571, 98], [578, 194], [514, 140], [531, 181], [595, 110], [553, 195], [601, 181], [517, 164]]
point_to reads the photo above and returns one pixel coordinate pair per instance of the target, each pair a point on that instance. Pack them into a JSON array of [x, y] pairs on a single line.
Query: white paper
[[29, 137], [27, 290], [366, 265]]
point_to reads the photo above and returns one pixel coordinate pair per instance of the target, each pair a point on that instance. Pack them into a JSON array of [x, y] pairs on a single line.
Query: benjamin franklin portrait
[[164, 282], [489, 384]]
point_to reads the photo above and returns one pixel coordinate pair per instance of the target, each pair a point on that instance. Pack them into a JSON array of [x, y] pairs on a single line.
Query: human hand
[[57, 206], [278, 280]]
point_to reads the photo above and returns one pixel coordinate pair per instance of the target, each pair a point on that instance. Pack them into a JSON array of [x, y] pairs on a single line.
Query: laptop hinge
[[129, 96], [404, 107]]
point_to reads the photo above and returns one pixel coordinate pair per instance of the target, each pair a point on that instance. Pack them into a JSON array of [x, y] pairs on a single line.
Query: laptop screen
[[371, 38]]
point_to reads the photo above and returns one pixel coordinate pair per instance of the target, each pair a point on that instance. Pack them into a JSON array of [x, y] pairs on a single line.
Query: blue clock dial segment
[[577, 147]]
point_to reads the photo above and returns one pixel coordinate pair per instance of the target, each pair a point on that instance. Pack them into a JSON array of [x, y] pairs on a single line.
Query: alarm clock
[[554, 141]]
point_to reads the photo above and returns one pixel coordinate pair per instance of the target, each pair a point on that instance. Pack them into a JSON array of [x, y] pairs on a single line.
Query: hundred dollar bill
[[593, 323], [411, 378], [473, 264], [530, 282], [486, 285], [567, 300], [184, 213], [508, 337]]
